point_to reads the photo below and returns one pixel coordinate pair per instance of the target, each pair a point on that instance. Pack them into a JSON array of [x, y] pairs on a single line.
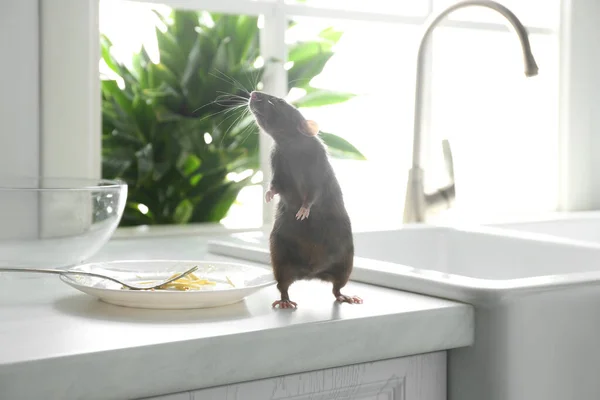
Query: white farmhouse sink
[[477, 265], [580, 226], [537, 300]]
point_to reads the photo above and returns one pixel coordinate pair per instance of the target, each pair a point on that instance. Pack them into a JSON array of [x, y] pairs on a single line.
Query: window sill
[[200, 229], [451, 217]]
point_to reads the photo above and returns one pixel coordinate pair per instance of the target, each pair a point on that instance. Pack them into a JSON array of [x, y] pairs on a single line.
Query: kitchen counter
[[58, 343]]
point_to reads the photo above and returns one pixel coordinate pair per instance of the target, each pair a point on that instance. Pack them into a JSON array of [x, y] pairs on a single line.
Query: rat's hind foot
[[284, 304], [342, 298], [303, 213]]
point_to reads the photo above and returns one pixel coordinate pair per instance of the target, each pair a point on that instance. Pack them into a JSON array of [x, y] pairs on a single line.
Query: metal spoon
[[70, 272]]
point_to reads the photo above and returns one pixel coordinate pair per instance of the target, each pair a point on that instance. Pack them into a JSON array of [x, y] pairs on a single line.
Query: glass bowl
[[57, 222]]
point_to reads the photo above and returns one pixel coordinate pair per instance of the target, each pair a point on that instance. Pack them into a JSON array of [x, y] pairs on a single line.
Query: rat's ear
[[309, 128]]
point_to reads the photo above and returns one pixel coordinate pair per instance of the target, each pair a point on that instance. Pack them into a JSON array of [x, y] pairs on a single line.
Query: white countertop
[[58, 343]]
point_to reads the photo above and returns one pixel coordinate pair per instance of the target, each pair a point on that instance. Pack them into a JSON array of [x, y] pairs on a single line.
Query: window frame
[[84, 110], [74, 120], [579, 96]]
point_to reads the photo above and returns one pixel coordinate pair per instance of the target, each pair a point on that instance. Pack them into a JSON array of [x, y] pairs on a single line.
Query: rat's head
[[278, 118]]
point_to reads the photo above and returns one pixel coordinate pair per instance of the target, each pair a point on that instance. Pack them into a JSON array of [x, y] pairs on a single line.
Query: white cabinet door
[[420, 377]]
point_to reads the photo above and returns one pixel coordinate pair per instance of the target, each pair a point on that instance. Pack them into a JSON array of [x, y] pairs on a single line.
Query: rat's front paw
[[269, 195], [302, 213]]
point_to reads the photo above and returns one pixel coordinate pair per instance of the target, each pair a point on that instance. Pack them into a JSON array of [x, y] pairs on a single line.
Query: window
[[378, 121], [503, 127]]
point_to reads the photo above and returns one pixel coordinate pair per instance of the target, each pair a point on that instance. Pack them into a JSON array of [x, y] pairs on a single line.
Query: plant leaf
[[145, 162], [331, 34], [304, 70], [116, 161], [247, 44], [171, 53], [161, 17], [305, 50], [322, 97], [340, 148], [112, 90], [164, 114], [211, 209], [192, 67], [183, 212], [140, 63], [162, 72], [184, 29], [105, 45], [220, 60]]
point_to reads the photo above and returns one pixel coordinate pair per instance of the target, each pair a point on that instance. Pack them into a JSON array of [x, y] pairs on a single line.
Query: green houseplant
[[177, 131]]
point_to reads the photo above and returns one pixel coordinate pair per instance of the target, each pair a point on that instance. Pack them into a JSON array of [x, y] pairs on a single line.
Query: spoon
[[128, 285]]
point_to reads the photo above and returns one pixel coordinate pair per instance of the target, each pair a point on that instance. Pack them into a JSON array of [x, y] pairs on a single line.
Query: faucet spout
[[531, 68], [417, 202]]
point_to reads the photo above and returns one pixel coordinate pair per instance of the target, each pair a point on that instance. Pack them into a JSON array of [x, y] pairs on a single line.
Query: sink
[[578, 226], [536, 296], [478, 265]]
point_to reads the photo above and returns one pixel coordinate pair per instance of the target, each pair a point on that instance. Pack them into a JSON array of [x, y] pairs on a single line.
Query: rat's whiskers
[[237, 120], [228, 100], [247, 128], [225, 78], [232, 96], [224, 111], [206, 105]]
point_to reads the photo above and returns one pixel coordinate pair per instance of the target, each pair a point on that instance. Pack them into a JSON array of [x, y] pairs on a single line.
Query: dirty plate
[[229, 283]]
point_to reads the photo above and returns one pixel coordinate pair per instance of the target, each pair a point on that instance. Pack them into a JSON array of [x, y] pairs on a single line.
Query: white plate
[[246, 278]]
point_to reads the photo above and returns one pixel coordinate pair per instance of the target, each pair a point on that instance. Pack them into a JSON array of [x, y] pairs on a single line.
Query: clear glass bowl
[[57, 222]]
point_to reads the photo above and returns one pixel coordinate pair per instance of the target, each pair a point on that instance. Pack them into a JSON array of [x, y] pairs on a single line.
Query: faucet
[[419, 204]]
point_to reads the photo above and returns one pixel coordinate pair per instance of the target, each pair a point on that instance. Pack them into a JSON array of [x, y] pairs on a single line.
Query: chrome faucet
[[419, 204]]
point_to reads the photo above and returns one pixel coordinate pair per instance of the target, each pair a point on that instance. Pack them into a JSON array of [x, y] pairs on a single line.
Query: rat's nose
[[254, 95]]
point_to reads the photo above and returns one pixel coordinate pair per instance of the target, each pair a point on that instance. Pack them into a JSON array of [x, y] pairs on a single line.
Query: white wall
[[70, 94], [19, 80], [19, 113]]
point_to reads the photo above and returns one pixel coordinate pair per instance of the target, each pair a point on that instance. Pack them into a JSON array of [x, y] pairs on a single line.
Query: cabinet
[[419, 377]]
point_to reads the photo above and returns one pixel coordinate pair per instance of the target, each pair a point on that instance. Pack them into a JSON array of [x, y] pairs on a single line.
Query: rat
[[311, 237]]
